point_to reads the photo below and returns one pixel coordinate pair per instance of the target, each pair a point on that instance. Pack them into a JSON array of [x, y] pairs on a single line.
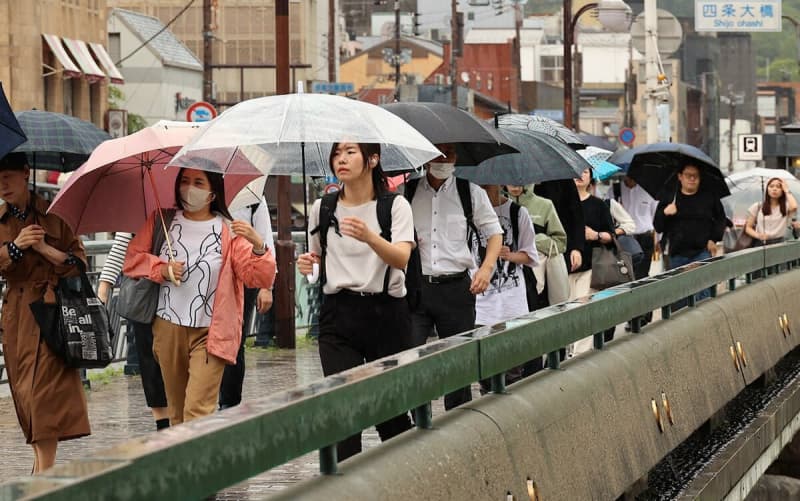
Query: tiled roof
[[166, 45]]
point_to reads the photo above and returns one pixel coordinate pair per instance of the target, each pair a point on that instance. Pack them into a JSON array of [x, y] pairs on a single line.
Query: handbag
[[611, 267], [551, 272], [138, 297], [76, 326]]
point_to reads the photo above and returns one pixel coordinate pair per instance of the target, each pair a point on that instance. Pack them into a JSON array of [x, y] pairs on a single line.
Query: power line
[[162, 30]]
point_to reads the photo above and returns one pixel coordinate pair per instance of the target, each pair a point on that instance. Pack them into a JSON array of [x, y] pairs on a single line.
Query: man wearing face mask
[[444, 227]]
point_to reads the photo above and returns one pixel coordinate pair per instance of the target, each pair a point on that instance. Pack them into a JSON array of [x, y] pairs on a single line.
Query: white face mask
[[194, 198], [441, 170]]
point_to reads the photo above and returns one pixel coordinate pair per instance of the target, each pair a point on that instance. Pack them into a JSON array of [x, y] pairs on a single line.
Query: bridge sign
[[737, 15], [333, 87], [201, 111]]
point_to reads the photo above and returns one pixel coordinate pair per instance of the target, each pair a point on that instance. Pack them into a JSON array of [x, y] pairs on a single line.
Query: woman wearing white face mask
[[198, 321]]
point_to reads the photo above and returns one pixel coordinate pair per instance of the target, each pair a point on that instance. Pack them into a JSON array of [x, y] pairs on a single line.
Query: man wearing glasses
[[691, 221]]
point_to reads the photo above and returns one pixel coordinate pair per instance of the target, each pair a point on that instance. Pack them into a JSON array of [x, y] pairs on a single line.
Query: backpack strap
[[411, 188], [465, 196], [159, 238], [617, 191], [384, 211], [515, 225], [327, 217]]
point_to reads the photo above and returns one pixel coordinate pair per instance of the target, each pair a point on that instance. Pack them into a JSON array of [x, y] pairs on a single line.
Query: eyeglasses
[[690, 176]]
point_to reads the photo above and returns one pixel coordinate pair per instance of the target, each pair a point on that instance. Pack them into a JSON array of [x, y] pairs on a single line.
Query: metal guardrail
[[203, 456]]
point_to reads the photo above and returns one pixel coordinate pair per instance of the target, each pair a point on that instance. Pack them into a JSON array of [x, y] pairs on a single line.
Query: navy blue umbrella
[[11, 134], [655, 166], [56, 141]]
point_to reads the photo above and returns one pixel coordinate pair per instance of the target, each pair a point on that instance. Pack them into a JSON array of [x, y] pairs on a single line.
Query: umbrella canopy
[[655, 166], [541, 158], [56, 141], [122, 174], [597, 158], [543, 125], [441, 123], [293, 134], [11, 134], [598, 141], [756, 178], [249, 195]]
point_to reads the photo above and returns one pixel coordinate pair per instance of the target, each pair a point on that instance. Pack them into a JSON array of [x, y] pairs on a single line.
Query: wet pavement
[[117, 413]]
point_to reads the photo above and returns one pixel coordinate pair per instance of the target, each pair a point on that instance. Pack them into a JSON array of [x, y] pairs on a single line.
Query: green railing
[[199, 458]]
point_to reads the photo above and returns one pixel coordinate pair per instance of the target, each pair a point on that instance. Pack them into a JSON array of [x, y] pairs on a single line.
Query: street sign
[[737, 15], [751, 147], [201, 111], [333, 87], [331, 188], [627, 136]]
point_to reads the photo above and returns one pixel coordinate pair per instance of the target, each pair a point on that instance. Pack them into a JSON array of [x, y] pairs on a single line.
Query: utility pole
[[284, 247], [731, 127], [651, 67], [453, 35], [332, 41], [518, 50], [208, 75], [567, 62], [397, 50]]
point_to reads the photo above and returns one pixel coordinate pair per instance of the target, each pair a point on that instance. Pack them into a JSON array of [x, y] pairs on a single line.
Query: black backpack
[[327, 218]]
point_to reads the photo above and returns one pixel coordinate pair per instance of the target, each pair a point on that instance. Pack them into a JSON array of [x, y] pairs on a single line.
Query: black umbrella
[[441, 123], [655, 167], [541, 158], [56, 141], [541, 124], [11, 134], [597, 141]]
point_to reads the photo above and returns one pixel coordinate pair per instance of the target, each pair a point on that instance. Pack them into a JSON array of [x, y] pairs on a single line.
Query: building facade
[[53, 56]]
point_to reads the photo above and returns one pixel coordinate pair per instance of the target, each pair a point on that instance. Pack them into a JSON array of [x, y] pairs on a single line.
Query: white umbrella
[[293, 134], [249, 195]]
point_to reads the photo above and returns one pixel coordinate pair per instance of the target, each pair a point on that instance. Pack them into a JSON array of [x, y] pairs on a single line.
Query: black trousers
[[358, 329], [152, 382], [642, 268], [230, 390], [449, 308]]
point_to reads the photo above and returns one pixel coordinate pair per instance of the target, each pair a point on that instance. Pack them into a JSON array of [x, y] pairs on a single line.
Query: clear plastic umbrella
[[293, 134]]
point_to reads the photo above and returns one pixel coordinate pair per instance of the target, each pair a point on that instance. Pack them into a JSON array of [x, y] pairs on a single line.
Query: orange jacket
[[240, 267]]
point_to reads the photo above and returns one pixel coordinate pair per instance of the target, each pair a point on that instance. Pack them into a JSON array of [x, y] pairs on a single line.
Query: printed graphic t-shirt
[[199, 245]]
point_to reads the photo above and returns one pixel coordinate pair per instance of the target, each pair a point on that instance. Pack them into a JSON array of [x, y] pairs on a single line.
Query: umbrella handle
[[172, 277]]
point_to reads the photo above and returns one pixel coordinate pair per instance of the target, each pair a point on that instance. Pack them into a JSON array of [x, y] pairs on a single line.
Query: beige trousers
[[191, 376], [579, 286]]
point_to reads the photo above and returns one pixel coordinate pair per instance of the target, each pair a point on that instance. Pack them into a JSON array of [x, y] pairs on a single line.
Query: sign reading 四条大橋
[[737, 15]]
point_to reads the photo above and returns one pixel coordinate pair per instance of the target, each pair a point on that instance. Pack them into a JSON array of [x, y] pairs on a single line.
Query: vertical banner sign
[[737, 15]]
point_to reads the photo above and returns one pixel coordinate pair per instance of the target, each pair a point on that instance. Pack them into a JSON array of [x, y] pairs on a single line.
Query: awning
[[80, 51], [108, 64], [54, 42]]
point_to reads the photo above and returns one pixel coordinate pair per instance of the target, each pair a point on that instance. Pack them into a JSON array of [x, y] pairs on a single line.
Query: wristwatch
[[260, 251]]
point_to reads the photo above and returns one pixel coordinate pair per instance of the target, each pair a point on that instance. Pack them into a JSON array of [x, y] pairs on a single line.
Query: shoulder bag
[[611, 266]]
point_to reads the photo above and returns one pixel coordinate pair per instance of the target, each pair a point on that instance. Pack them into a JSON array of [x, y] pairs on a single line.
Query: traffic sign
[[331, 188], [627, 136], [201, 111], [333, 87], [751, 147]]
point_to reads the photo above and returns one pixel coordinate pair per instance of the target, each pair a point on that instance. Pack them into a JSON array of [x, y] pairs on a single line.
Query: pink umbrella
[[125, 179]]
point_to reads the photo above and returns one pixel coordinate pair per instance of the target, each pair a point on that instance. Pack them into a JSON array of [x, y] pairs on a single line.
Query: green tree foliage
[[115, 99]]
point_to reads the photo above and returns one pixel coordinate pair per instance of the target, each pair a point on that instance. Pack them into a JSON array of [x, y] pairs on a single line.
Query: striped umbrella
[[56, 141], [543, 125]]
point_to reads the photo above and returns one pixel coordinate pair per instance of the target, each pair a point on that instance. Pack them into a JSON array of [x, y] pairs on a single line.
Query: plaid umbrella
[[11, 134], [58, 142]]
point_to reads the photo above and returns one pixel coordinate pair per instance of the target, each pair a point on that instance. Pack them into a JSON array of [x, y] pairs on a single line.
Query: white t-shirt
[[199, 245], [774, 225], [505, 298], [352, 264]]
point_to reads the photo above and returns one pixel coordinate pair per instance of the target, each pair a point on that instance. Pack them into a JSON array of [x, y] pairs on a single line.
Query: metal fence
[[206, 455]]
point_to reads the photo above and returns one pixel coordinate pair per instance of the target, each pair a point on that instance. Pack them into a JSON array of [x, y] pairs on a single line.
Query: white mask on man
[[194, 198], [441, 170]]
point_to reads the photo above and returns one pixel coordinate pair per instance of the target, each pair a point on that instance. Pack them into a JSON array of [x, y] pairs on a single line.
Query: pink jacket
[[240, 267]]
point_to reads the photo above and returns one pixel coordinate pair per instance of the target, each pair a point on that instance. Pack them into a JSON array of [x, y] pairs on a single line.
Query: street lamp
[[614, 15]]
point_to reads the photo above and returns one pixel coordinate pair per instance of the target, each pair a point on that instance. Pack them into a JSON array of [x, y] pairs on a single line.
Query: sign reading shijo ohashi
[[737, 15]]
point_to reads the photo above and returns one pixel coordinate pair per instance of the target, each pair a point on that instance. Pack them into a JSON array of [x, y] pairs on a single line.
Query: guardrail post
[[748, 278], [328, 460], [636, 325], [554, 360], [691, 301], [423, 417], [713, 291], [498, 382], [666, 312], [732, 284], [599, 341]]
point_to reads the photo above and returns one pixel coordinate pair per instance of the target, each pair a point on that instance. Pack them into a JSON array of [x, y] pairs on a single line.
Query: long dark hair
[[766, 207], [379, 182], [217, 183]]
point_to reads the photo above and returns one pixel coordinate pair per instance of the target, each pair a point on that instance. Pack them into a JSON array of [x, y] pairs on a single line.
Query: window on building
[[552, 68], [114, 47]]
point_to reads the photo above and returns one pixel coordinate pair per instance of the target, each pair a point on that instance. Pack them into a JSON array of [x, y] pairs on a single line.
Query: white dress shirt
[[639, 204], [260, 220], [442, 228]]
